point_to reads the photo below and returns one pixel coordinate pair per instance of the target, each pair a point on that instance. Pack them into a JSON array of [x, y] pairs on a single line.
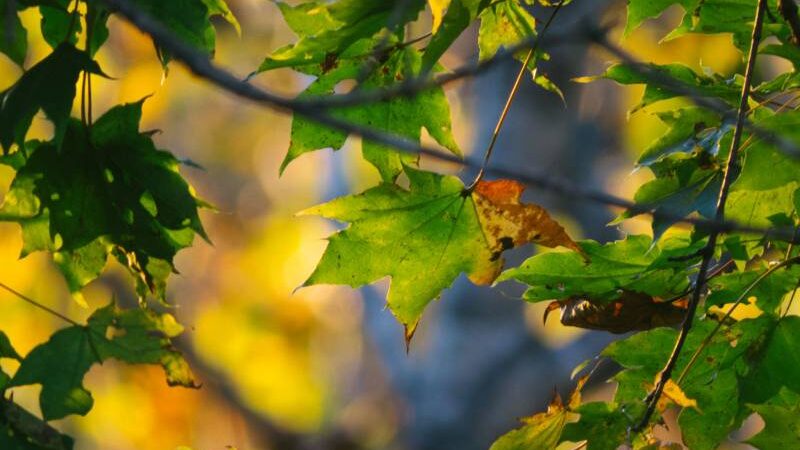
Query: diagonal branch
[[269, 433], [200, 65], [731, 170], [27, 425]]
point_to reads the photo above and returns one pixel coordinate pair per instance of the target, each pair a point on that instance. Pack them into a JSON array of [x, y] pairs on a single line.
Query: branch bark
[[731, 171], [200, 65]]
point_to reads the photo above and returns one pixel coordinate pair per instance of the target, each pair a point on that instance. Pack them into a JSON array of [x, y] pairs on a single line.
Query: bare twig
[[37, 304], [742, 296], [395, 18], [514, 89], [731, 170], [267, 431]]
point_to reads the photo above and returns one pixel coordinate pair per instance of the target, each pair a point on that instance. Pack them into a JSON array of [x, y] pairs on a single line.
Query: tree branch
[[510, 99], [199, 64], [269, 434], [40, 433], [731, 171]]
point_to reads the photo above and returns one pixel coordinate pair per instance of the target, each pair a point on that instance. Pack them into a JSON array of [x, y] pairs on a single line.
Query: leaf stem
[[317, 111], [510, 99], [392, 23], [731, 170], [39, 305], [707, 340]]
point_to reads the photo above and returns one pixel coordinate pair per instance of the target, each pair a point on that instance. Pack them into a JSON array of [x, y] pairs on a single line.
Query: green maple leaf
[[705, 85], [49, 86], [426, 236], [542, 431], [110, 191], [768, 178], [706, 16], [633, 264], [58, 24], [505, 24], [778, 363], [458, 16], [423, 238], [602, 425], [682, 186], [136, 336], [326, 30], [714, 382], [337, 42], [6, 351], [190, 20], [690, 129], [402, 116], [641, 10], [768, 292]]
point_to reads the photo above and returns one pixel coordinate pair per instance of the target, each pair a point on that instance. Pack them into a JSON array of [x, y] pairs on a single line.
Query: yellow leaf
[[438, 8], [507, 223], [674, 393]]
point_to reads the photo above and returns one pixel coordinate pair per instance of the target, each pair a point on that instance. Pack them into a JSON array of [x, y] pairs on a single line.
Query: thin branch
[[731, 170], [200, 65], [39, 305], [37, 430], [514, 89], [395, 18], [501, 120], [270, 434], [742, 296], [267, 431]]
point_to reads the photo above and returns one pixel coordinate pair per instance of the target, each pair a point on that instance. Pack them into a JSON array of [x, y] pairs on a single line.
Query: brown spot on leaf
[[329, 63]]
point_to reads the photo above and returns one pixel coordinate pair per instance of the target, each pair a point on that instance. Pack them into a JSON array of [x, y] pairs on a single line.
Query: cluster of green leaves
[[425, 235], [102, 188], [730, 368], [365, 41], [135, 336], [399, 232], [97, 190]]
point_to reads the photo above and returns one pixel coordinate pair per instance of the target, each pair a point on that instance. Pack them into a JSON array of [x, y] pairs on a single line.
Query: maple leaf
[[50, 86], [508, 223], [542, 431], [426, 236], [111, 191], [400, 116], [134, 336]]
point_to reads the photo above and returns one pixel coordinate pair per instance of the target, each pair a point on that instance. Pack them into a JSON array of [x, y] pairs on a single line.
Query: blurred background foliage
[[306, 360]]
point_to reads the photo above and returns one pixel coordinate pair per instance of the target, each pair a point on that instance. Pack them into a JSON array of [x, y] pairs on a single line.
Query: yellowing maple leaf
[[424, 237]]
